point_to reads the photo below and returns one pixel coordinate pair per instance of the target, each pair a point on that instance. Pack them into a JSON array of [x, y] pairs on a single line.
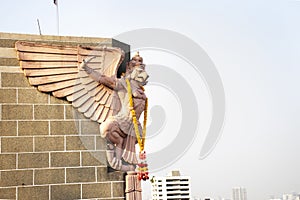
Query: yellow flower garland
[[141, 141]]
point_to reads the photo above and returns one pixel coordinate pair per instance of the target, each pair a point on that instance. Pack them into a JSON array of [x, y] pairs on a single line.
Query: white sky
[[254, 45]]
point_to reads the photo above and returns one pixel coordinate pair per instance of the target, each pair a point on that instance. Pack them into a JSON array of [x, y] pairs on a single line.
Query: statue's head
[[136, 69], [135, 61]]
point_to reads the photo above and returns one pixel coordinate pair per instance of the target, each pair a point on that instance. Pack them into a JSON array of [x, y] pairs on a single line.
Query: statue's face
[[139, 74], [136, 61], [136, 70]]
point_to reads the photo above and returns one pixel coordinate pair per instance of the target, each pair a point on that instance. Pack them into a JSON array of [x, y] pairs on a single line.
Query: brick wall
[[48, 150]]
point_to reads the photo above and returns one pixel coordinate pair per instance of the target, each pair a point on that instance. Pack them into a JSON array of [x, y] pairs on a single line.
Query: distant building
[[173, 186], [239, 193], [293, 196]]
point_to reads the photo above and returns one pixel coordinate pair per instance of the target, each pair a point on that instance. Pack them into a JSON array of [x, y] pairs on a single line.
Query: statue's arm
[[105, 80]]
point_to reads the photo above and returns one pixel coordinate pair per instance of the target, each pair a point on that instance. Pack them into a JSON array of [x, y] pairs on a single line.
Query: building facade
[[173, 186], [47, 149]]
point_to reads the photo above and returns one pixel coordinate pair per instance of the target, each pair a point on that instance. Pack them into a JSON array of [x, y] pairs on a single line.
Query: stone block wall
[[47, 149]]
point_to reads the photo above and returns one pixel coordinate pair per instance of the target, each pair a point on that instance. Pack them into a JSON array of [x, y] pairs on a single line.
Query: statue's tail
[[129, 154], [112, 160], [115, 163]]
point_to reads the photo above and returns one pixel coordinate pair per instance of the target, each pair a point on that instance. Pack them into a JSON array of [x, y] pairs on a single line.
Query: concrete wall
[[48, 150]]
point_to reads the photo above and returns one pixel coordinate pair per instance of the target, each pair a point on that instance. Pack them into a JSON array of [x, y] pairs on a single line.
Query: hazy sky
[[255, 47]]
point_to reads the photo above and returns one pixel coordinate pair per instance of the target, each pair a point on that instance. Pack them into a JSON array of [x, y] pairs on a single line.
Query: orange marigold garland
[[142, 165]]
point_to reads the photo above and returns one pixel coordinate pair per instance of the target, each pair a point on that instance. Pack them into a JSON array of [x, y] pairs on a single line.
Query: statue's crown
[[137, 56]]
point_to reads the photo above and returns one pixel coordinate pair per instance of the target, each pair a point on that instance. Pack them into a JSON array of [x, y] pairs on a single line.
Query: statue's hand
[[139, 93], [86, 68]]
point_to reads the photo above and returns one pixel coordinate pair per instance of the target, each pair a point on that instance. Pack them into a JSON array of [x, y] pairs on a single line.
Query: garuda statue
[[87, 77]]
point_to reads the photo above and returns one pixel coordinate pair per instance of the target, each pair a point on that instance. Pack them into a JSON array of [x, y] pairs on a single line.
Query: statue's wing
[[57, 69]]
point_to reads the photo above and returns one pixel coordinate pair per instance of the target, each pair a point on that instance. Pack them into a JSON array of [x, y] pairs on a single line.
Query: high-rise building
[[239, 193], [173, 186]]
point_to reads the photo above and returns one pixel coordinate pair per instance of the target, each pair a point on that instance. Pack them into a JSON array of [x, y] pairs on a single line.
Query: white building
[[173, 186], [239, 193], [291, 196]]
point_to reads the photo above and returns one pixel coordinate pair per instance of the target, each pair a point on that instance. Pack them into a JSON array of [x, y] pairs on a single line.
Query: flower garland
[[143, 166]]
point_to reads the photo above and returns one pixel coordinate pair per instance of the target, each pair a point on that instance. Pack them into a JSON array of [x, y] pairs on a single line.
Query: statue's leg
[[118, 143], [115, 136]]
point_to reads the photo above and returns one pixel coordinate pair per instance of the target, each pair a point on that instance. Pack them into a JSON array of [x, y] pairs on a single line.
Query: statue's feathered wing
[[57, 69]]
